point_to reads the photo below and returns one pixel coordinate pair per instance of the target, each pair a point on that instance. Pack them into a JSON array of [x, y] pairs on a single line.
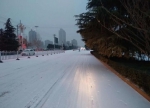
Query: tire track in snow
[[62, 80], [48, 93], [25, 74]]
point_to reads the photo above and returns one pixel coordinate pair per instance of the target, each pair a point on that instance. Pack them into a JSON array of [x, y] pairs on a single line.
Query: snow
[[67, 80]]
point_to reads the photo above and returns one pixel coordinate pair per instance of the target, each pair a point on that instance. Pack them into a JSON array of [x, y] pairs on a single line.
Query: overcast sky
[[49, 15]]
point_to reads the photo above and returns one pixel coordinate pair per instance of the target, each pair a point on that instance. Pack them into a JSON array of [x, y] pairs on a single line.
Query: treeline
[[8, 39], [116, 28]]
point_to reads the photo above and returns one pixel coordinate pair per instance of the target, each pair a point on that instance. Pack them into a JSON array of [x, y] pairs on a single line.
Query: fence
[[5, 55]]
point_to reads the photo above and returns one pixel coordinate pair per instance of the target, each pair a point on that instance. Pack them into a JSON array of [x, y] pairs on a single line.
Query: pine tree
[[114, 27], [9, 38], [1, 39]]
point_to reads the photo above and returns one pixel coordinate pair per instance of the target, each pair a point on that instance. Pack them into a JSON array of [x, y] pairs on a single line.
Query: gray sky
[[49, 15]]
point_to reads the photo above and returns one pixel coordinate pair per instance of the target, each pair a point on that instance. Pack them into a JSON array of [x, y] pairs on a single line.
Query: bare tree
[[37, 43]]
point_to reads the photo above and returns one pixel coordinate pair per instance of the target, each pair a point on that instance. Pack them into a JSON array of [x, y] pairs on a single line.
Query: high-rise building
[[32, 36], [74, 42], [38, 37], [62, 37], [56, 41]]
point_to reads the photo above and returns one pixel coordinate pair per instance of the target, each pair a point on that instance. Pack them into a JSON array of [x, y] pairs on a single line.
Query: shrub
[[138, 77]]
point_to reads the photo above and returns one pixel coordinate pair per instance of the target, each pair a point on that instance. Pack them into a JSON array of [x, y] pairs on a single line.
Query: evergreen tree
[[1, 39], [9, 39], [116, 27]]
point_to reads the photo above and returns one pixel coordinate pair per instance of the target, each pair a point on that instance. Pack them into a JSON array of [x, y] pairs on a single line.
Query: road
[[68, 80]]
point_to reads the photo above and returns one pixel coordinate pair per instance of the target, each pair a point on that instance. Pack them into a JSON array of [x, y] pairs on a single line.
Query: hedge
[[140, 78]]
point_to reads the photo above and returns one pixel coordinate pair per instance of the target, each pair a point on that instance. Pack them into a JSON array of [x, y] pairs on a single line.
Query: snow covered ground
[[68, 80]]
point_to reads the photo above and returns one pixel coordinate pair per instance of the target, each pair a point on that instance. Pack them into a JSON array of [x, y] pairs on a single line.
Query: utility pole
[[18, 37]]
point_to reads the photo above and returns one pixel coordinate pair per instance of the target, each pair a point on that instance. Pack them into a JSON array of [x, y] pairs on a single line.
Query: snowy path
[[67, 80]]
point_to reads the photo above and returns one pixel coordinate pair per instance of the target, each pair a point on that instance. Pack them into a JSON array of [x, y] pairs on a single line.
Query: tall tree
[[1, 39], [10, 42], [114, 27]]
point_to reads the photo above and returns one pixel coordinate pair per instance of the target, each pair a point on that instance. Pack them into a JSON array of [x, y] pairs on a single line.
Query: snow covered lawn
[[68, 80]]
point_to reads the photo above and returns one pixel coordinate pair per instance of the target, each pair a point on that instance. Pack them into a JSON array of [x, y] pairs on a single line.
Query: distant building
[[35, 40], [51, 42], [68, 43], [42, 44], [62, 37], [56, 41], [38, 37], [32, 36], [74, 42], [47, 42]]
